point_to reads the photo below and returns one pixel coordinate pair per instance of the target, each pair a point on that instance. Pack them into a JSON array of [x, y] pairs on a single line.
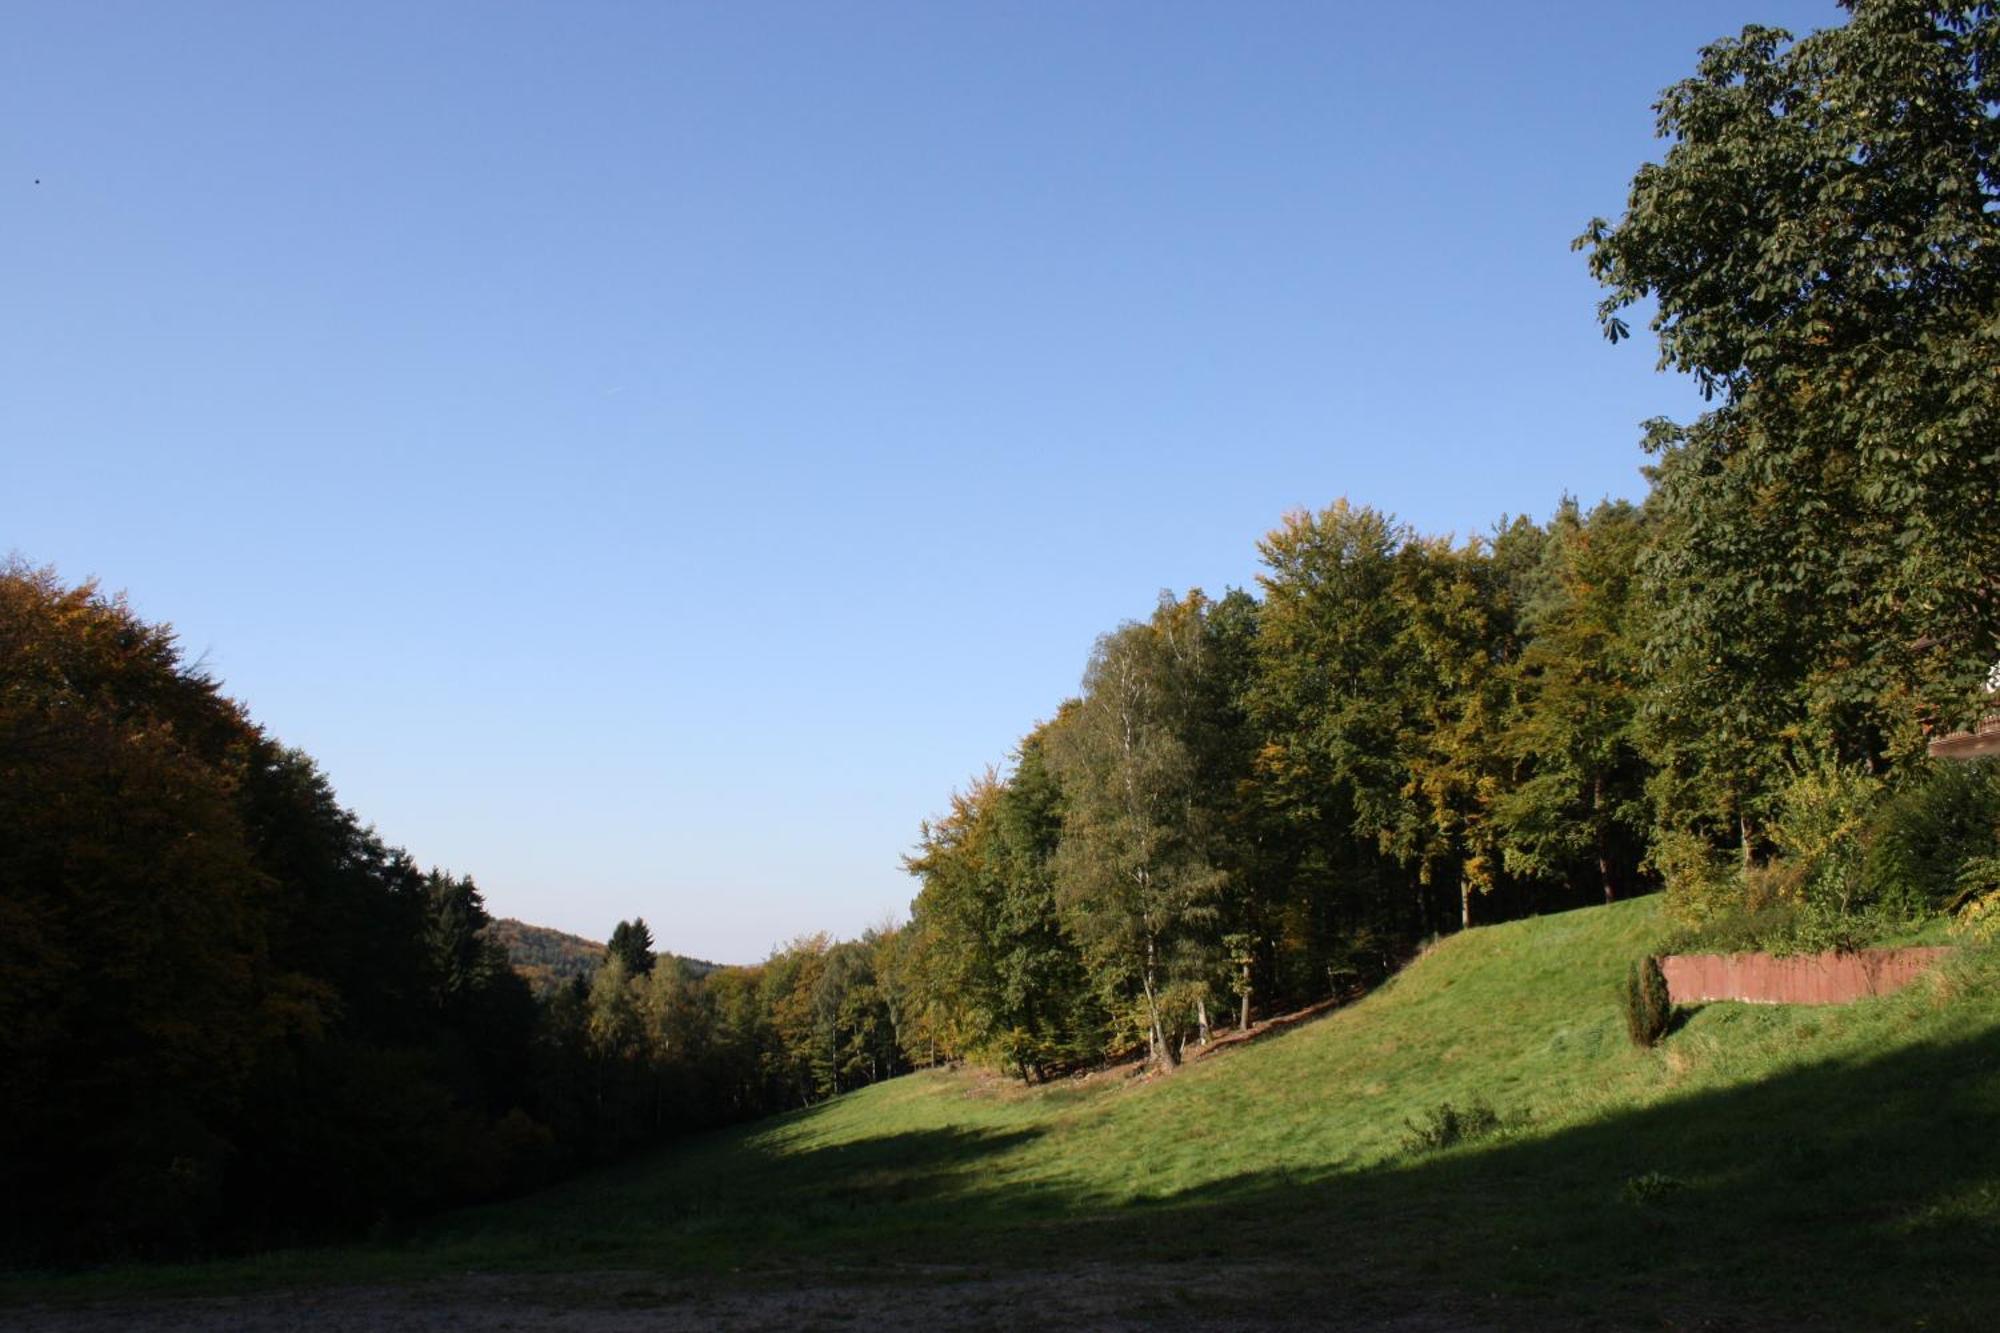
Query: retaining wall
[[1815, 978]]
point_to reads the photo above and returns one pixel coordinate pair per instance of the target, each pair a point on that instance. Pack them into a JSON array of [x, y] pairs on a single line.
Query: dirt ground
[[1090, 1297]]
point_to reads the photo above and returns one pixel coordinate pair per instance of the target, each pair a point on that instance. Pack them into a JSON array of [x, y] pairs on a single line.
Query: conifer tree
[[631, 943]]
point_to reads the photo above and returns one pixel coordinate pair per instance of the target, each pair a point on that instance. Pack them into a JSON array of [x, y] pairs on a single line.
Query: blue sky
[[650, 454]]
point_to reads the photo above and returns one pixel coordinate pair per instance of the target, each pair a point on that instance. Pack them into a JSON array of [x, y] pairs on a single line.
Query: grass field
[[1763, 1166]]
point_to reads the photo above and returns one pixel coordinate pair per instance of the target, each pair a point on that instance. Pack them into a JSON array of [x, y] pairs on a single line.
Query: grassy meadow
[[1762, 1165]]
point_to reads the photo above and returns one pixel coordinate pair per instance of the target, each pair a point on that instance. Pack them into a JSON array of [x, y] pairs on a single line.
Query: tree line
[[231, 1014], [1261, 801]]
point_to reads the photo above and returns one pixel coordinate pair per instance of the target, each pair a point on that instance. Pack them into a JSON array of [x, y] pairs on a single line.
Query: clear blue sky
[[650, 453]]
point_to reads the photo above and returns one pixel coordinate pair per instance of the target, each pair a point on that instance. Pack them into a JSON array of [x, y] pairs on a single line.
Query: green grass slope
[[1764, 1165]]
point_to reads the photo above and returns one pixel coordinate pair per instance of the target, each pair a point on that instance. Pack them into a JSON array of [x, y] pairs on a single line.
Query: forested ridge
[[232, 1015], [551, 958]]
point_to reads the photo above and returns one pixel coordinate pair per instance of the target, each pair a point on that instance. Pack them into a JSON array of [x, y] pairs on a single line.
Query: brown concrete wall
[[1817, 978]]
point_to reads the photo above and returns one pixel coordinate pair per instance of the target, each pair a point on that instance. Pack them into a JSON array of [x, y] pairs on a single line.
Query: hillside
[[548, 957], [1764, 1165]]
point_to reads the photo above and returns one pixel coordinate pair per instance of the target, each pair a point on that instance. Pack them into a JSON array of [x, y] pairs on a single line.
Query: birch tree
[[1136, 871]]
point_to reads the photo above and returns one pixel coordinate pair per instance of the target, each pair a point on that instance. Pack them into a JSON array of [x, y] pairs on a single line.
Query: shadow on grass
[[1849, 1193], [723, 1197], [1863, 1192], [858, 1177], [1682, 1015]]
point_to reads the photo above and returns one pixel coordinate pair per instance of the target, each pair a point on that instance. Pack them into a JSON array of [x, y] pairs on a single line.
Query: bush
[[1741, 930], [1702, 883], [1648, 1011], [1651, 1187], [1822, 812], [1929, 832], [1448, 1126], [1978, 901], [1854, 864], [1826, 928]]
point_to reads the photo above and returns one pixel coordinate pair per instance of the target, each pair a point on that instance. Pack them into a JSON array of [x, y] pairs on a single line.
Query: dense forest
[[232, 1015]]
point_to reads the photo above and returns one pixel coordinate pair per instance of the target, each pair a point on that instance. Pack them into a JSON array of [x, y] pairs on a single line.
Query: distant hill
[[549, 958]]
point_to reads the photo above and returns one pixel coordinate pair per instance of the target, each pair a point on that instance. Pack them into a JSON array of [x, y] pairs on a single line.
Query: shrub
[[1648, 1010], [1853, 864], [1702, 883], [1821, 815], [1978, 901], [1651, 1187], [1926, 835], [1828, 928], [1447, 1126], [1742, 930]]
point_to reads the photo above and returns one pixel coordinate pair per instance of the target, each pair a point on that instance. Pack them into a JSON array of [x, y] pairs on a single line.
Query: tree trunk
[[1159, 1050], [1464, 905], [1243, 1021], [1603, 838], [1201, 1017]]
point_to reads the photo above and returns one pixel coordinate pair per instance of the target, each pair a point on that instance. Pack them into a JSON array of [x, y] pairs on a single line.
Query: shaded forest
[[232, 1015]]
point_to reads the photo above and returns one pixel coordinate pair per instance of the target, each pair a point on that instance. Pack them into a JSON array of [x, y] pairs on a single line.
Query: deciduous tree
[[1822, 245]]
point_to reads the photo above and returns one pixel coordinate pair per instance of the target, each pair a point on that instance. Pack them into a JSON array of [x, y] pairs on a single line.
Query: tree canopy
[[1822, 247]]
